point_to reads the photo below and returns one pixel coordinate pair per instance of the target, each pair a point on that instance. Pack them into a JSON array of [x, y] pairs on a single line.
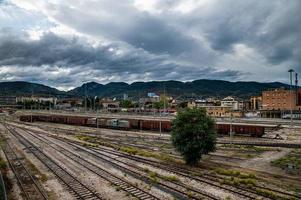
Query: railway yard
[[64, 161]]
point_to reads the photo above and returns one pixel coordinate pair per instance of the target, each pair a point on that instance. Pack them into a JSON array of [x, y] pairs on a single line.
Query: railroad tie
[[144, 196]]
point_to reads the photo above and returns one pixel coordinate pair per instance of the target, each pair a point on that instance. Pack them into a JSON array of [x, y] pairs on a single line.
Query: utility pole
[[296, 89], [95, 103], [85, 98], [50, 101], [164, 104], [291, 94], [231, 132]]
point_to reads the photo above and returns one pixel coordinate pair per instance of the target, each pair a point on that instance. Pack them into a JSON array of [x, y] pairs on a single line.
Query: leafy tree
[[158, 105], [126, 104], [193, 134]]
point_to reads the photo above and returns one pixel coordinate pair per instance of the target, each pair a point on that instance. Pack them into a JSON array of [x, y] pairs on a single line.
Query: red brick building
[[281, 99], [277, 102]]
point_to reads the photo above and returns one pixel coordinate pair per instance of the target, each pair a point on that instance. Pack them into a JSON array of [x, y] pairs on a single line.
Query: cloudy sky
[[63, 43]]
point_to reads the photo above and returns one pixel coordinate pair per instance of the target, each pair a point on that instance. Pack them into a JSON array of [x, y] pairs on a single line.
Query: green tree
[[158, 105], [193, 134], [126, 104]]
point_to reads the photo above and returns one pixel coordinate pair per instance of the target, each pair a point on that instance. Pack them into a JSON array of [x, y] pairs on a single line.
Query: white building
[[52, 100], [230, 102]]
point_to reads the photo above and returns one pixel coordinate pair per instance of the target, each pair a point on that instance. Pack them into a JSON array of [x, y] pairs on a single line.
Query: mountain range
[[198, 88]]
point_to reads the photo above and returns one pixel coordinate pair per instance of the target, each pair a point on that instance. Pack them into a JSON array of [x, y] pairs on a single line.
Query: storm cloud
[[67, 61], [66, 43]]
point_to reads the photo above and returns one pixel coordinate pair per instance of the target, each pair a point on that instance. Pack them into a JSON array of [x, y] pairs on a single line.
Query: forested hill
[[197, 88]]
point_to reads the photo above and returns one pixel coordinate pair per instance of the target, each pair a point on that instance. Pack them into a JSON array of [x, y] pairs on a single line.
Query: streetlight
[[291, 94]]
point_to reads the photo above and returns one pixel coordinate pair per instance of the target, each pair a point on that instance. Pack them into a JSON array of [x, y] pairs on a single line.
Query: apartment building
[[281, 99]]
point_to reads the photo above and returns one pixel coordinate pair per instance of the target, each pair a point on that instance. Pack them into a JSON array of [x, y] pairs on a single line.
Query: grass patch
[[234, 173], [144, 153], [95, 141], [130, 150], [153, 177], [127, 149], [238, 181], [170, 178], [292, 158], [237, 178], [247, 147], [270, 194]]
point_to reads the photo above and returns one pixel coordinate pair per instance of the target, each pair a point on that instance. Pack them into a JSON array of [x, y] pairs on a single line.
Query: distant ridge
[[197, 89], [18, 88]]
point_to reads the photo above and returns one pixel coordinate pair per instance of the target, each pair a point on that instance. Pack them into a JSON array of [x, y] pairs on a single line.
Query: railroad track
[[173, 189], [31, 189], [261, 143], [209, 179], [168, 151], [75, 187], [151, 148], [111, 178], [184, 172], [215, 183]]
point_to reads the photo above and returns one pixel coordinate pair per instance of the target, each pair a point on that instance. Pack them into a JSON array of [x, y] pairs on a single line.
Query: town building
[[218, 111], [8, 101], [277, 102], [52, 100], [200, 103], [223, 111], [214, 110], [70, 102], [244, 105], [152, 95], [281, 99], [108, 103], [230, 102], [256, 103]]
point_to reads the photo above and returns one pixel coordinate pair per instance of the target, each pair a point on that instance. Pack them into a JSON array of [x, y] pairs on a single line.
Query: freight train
[[102, 122], [253, 130]]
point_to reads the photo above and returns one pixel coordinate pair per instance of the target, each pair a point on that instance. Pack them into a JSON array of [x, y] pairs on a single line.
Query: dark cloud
[[155, 36], [231, 39], [279, 55], [261, 25], [271, 28], [124, 23], [63, 61]]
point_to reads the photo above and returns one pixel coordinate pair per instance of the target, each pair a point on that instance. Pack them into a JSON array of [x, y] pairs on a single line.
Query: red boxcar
[[81, 121], [141, 124], [154, 125], [257, 131]]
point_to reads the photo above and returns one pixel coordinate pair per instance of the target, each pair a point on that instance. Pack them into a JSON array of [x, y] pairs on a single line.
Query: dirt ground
[[263, 161]]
